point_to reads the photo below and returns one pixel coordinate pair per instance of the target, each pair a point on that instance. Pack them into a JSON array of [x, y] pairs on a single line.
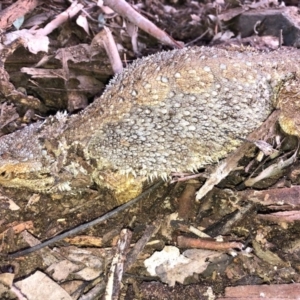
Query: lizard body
[[173, 111]]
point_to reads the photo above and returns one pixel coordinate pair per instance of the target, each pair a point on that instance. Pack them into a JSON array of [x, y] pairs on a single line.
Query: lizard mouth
[[27, 175]]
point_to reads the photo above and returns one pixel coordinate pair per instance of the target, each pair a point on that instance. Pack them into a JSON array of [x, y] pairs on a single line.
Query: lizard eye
[[4, 174]]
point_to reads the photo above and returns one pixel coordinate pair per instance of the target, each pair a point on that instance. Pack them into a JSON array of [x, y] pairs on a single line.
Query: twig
[[113, 286], [126, 10], [231, 162], [105, 40], [140, 245], [74, 9], [186, 242]]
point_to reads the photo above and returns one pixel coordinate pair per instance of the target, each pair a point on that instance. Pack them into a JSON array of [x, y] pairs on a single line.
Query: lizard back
[[176, 111]]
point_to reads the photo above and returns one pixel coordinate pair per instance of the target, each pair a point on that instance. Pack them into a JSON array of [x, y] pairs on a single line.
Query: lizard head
[[23, 161], [28, 175]]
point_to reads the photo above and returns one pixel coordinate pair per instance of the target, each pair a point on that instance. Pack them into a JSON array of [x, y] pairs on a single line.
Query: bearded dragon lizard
[[173, 111]]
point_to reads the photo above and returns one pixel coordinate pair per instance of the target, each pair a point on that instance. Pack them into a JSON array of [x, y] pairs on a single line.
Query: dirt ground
[[241, 241]]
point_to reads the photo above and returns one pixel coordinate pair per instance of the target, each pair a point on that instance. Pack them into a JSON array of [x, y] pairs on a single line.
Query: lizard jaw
[[27, 175]]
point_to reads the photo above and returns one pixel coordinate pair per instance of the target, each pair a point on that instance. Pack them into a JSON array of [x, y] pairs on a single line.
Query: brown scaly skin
[[173, 111]]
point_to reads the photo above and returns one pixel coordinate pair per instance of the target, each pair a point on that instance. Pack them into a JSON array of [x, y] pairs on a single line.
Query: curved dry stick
[[125, 10], [63, 17]]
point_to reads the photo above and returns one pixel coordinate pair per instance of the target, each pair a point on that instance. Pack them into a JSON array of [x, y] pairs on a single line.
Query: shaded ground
[[257, 232]]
